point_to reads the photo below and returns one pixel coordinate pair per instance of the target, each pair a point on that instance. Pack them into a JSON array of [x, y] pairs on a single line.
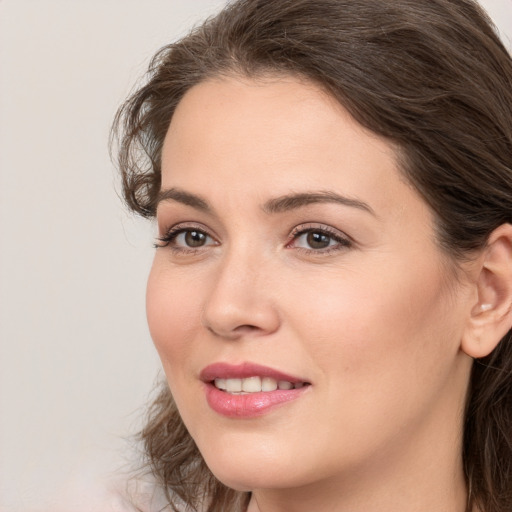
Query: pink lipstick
[[248, 390]]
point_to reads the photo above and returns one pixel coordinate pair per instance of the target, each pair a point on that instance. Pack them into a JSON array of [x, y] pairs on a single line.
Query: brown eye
[[185, 239], [318, 240], [194, 238]]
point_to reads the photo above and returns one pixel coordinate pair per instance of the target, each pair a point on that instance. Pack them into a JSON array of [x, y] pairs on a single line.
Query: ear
[[491, 315]]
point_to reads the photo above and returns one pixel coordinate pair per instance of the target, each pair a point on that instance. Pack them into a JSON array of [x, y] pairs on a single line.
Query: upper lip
[[241, 371]]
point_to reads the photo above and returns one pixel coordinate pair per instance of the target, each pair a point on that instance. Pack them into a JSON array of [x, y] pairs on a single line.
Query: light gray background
[[76, 360]]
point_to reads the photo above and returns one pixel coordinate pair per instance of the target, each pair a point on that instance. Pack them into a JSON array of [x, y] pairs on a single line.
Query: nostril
[[237, 332], [246, 328]]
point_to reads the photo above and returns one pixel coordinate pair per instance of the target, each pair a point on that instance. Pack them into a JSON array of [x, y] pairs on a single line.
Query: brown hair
[[429, 75]]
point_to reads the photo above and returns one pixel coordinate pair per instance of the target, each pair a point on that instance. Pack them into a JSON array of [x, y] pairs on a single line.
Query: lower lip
[[249, 405]]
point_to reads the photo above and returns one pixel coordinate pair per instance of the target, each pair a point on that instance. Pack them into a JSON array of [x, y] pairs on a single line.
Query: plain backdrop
[[76, 359]]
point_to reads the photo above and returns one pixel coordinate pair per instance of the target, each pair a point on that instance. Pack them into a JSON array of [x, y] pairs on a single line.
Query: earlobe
[[491, 316]]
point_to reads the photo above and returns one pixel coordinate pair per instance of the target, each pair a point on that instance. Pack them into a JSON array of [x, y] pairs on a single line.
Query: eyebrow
[[294, 201], [276, 205], [186, 198]]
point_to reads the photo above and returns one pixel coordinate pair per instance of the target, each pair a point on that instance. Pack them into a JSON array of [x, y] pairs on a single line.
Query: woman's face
[[294, 254]]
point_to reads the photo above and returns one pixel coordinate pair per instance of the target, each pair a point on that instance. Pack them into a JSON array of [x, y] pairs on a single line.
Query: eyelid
[[343, 240], [172, 232]]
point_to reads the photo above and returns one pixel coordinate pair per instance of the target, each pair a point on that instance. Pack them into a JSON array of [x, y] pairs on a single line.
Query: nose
[[240, 302]]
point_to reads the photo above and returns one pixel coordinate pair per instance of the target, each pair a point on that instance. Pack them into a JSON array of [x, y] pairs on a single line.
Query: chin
[[241, 480], [249, 469]]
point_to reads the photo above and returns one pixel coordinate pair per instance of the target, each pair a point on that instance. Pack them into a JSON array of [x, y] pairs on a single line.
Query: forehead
[[285, 125], [263, 106]]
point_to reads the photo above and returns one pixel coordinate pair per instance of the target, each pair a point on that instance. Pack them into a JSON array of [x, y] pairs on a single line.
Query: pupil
[[195, 238], [318, 240]]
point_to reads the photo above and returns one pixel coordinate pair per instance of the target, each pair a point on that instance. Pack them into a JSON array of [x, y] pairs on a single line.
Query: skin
[[374, 324]]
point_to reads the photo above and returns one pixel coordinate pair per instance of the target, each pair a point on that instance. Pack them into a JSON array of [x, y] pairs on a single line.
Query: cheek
[[383, 322], [376, 339], [172, 310]]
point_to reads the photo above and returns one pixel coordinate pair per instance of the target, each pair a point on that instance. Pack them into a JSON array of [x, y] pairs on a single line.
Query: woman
[[331, 292]]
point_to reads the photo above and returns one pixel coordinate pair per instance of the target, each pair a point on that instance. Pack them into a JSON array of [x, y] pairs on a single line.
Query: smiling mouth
[[255, 385], [248, 390]]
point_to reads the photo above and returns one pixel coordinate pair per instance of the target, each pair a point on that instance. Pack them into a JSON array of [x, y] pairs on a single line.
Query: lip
[[242, 371], [248, 405]]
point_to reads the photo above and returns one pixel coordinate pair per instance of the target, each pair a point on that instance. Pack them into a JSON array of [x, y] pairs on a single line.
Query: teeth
[[233, 385], [220, 384], [254, 385], [251, 385], [268, 384]]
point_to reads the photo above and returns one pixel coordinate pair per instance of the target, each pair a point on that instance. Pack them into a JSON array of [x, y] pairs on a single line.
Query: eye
[[182, 238], [319, 239], [191, 238], [315, 240]]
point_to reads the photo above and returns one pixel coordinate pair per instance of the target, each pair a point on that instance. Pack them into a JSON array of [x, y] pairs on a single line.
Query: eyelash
[[169, 238], [342, 241]]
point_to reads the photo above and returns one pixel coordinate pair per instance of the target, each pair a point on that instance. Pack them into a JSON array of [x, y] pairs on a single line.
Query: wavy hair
[[432, 77]]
